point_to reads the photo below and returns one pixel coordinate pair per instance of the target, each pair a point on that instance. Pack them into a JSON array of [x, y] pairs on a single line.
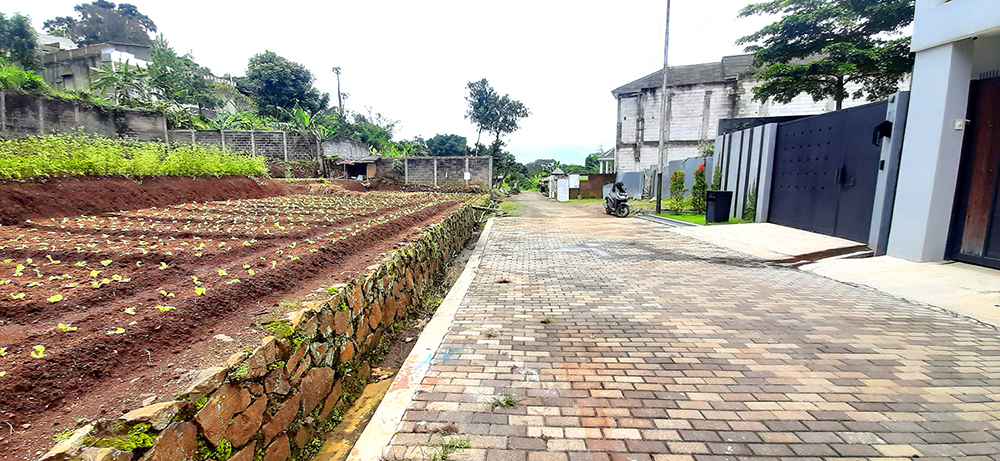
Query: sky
[[411, 60]]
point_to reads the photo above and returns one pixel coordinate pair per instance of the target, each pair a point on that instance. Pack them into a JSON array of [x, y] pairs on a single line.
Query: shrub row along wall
[[273, 403], [24, 114]]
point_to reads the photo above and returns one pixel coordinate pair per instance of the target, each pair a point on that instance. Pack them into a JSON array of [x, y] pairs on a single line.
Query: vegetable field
[[91, 298]]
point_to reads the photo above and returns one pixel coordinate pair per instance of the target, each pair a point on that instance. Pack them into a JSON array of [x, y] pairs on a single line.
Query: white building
[[701, 95], [948, 176]]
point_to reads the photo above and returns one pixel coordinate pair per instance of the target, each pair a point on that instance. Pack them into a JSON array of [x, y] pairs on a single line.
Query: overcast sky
[[410, 60]]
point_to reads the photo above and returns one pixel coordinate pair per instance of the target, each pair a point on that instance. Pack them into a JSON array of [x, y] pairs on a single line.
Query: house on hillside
[[70, 67], [700, 95]]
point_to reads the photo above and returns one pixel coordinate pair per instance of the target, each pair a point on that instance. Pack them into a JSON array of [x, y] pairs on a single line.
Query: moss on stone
[[131, 438], [280, 329]]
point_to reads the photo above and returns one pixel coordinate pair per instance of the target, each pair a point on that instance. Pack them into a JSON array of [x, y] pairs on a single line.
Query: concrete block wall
[[446, 171], [276, 402], [25, 115]]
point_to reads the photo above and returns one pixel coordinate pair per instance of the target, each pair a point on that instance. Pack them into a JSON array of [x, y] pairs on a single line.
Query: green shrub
[[698, 190], [15, 78], [67, 155], [677, 184]]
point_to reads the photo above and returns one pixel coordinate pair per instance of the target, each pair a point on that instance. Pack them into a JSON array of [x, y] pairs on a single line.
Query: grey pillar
[[435, 172]]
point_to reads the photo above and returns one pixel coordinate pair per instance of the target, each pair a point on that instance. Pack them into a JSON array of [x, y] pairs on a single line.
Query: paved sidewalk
[[623, 340]]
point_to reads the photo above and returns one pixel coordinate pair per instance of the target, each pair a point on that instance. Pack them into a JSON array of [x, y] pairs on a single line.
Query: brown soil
[[89, 373], [20, 201]]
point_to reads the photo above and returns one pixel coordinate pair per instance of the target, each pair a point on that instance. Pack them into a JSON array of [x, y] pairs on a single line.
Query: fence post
[[193, 138], [466, 172], [406, 170], [284, 142], [253, 144], [222, 135], [41, 117], [435, 172]]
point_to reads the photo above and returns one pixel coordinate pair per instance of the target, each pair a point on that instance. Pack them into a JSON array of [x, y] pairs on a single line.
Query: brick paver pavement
[[623, 340]]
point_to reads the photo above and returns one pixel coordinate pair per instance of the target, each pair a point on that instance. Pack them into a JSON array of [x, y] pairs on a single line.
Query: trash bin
[[719, 202]]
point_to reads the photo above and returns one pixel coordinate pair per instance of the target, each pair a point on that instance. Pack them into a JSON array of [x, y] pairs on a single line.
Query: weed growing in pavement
[[546, 321], [504, 401], [444, 449]]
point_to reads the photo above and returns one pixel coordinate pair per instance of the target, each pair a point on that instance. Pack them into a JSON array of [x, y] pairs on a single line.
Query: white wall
[[937, 22], [932, 148]]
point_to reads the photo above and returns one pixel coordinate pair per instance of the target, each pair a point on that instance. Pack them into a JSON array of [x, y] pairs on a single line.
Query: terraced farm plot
[[90, 298]]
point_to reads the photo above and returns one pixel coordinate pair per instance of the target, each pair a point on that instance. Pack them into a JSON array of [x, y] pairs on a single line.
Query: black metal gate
[[825, 171]]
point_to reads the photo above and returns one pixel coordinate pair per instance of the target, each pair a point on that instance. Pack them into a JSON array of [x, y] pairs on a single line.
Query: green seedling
[[38, 352], [546, 321], [66, 327]]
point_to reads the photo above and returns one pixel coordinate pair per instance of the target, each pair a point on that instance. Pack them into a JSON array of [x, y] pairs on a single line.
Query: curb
[[387, 418], [667, 221]]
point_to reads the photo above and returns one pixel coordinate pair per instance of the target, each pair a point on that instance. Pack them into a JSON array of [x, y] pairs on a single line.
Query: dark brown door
[[976, 226]]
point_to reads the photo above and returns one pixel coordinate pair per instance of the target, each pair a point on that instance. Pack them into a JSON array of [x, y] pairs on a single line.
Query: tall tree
[[818, 47], [277, 83], [103, 21], [492, 113], [509, 114], [183, 80], [447, 144], [17, 42], [482, 100]]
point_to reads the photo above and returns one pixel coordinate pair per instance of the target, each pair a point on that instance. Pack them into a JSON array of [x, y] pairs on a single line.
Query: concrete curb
[[387, 418], [667, 221]]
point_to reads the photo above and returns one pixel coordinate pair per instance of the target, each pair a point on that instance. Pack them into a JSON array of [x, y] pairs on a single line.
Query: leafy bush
[[698, 190], [15, 78], [677, 184], [66, 155]]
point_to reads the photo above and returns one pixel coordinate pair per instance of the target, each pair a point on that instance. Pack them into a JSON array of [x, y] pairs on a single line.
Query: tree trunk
[[340, 99], [838, 94]]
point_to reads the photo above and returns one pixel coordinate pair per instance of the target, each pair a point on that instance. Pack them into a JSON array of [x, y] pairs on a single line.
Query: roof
[[729, 68], [558, 171], [607, 155]]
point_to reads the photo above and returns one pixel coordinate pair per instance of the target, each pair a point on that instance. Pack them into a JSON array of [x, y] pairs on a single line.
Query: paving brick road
[[624, 341]]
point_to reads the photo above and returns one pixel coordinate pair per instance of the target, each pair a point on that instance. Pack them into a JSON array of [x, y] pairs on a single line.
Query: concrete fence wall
[[273, 144], [442, 171], [688, 166], [27, 115], [746, 160]]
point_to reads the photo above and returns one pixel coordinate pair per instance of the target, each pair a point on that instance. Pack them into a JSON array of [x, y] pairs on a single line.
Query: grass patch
[[445, 448], [69, 155], [510, 208], [504, 401], [697, 218]]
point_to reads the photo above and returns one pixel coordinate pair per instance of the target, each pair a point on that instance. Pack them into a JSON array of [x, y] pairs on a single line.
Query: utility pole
[[340, 101], [664, 117]]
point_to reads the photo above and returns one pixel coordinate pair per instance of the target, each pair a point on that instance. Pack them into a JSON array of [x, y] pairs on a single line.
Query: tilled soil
[[131, 283]]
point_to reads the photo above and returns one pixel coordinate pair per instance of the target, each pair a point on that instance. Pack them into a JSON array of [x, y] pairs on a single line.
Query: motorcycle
[[616, 202]]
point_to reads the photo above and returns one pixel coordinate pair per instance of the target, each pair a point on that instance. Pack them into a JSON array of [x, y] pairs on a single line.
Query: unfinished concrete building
[[701, 95]]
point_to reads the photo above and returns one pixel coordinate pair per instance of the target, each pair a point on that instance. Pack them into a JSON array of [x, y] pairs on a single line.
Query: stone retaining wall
[[273, 403]]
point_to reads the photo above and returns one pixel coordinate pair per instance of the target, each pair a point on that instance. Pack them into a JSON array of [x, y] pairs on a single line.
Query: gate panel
[[977, 218], [826, 171], [806, 157], [859, 176]]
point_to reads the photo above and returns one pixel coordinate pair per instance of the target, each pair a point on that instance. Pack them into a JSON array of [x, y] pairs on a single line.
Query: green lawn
[[697, 218]]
